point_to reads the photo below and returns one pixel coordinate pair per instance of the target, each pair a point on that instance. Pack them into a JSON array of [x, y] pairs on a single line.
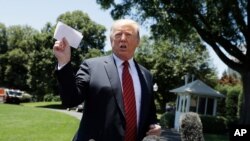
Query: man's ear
[[110, 39], [138, 42]]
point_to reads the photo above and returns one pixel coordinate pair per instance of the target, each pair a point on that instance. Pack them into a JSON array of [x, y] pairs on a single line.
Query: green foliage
[[232, 103], [230, 106], [26, 57], [216, 137], [219, 121], [221, 24], [169, 62], [3, 39], [51, 98], [93, 52], [17, 63], [167, 120]]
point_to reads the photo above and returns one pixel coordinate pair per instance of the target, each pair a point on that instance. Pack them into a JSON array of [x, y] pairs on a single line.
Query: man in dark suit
[[116, 91]]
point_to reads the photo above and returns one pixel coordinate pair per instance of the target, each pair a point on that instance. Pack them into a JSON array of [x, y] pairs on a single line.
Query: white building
[[196, 97]]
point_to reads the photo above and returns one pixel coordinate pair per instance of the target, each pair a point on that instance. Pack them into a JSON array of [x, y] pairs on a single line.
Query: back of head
[[191, 127], [153, 138]]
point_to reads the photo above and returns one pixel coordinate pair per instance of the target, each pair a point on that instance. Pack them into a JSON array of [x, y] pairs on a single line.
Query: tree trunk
[[245, 107]]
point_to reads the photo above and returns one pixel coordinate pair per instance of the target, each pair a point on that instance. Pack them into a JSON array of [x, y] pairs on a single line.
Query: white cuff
[[59, 67]]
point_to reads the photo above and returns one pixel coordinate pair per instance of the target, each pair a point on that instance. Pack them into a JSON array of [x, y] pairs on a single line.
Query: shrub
[[51, 97], [167, 120], [56, 98], [191, 127], [219, 122], [48, 97]]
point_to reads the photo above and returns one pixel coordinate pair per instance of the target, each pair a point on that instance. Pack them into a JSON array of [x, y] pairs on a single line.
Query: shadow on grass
[[52, 106]]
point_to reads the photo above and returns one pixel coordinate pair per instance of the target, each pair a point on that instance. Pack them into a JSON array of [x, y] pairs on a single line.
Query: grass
[[54, 105], [27, 123], [32, 122], [214, 137]]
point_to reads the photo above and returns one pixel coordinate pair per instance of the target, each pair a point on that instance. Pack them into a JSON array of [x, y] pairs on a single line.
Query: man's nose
[[123, 37]]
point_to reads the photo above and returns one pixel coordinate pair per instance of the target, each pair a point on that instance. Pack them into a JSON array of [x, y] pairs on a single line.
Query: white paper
[[73, 36]]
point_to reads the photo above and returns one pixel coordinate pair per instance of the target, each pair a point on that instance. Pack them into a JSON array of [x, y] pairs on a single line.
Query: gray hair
[[153, 138], [191, 127], [133, 23]]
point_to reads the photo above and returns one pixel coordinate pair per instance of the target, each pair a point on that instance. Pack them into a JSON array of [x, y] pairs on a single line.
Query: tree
[[26, 57], [221, 24], [16, 57], [170, 62], [42, 65], [3, 50], [3, 39]]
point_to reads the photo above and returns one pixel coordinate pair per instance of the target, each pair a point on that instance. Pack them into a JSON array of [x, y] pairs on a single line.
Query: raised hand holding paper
[[73, 36]]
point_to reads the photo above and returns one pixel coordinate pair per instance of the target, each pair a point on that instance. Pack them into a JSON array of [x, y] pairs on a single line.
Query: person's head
[[125, 38], [191, 127]]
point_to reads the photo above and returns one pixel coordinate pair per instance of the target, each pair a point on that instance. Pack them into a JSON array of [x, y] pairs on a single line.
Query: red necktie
[[129, 104]]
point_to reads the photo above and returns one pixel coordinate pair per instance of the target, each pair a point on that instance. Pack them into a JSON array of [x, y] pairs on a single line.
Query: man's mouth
[[123, 46]]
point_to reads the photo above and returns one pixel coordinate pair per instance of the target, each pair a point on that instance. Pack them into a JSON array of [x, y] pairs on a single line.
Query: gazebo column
[[177, 103], [205, 112], [198, 104], [188, 103], [215, 107]]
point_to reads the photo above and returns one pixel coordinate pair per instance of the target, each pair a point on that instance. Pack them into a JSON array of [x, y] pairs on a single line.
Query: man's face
[[124, 41]]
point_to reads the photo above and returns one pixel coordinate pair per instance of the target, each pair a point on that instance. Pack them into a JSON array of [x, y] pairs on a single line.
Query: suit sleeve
[[72, 87], [153, 116]]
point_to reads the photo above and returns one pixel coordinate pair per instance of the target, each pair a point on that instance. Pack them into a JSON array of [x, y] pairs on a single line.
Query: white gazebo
[[196, 97]]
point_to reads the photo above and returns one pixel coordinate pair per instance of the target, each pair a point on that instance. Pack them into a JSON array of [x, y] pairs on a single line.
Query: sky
[[36, 13]]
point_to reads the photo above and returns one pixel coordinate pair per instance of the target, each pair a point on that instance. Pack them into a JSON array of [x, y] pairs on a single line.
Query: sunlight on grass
[[38, 104], [22, 123]]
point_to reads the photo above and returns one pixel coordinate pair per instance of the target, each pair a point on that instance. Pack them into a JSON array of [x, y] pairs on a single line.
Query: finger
[[154, 129], [152, 126], [65, 42], [154, 132], [57, 44]]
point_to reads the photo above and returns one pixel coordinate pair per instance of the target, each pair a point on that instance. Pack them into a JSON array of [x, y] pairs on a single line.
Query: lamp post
[[155, 87]]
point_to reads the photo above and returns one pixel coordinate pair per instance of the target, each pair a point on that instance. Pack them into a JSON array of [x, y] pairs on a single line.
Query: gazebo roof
[[197, 87]]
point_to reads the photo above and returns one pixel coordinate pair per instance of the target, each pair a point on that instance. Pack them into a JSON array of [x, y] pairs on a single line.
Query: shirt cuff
[[59, 67]]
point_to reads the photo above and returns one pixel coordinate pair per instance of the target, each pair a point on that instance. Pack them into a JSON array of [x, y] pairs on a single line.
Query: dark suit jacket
[[97, 84]]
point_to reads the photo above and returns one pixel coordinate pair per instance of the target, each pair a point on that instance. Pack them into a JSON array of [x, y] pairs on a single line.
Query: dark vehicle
[[12, 96]]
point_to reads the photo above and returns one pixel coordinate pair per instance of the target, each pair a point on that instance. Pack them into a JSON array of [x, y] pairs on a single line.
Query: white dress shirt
[[136, 81]]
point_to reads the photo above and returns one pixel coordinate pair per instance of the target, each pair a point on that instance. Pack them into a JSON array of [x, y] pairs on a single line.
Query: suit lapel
[[145, 97], [113, 76]]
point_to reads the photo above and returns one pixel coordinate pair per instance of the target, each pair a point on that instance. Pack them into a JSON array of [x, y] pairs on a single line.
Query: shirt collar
[[120, 61]]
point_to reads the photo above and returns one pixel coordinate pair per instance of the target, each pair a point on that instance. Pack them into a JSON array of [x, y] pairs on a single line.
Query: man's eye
[[128, 35], [118, 34]]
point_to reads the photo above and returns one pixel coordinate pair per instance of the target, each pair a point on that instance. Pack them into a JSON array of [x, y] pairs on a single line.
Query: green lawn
[[27, 123], [214, 137], [32, 122]]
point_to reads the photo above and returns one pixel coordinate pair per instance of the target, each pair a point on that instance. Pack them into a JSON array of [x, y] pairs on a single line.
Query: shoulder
[[142, 68], [97, 60]]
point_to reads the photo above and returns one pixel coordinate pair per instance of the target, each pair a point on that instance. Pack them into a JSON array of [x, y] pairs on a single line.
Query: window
[[210, 106], [193, 103], [202, 105]]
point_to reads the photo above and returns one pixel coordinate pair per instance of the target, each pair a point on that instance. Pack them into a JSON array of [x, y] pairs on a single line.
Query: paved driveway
[[75, 114]]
